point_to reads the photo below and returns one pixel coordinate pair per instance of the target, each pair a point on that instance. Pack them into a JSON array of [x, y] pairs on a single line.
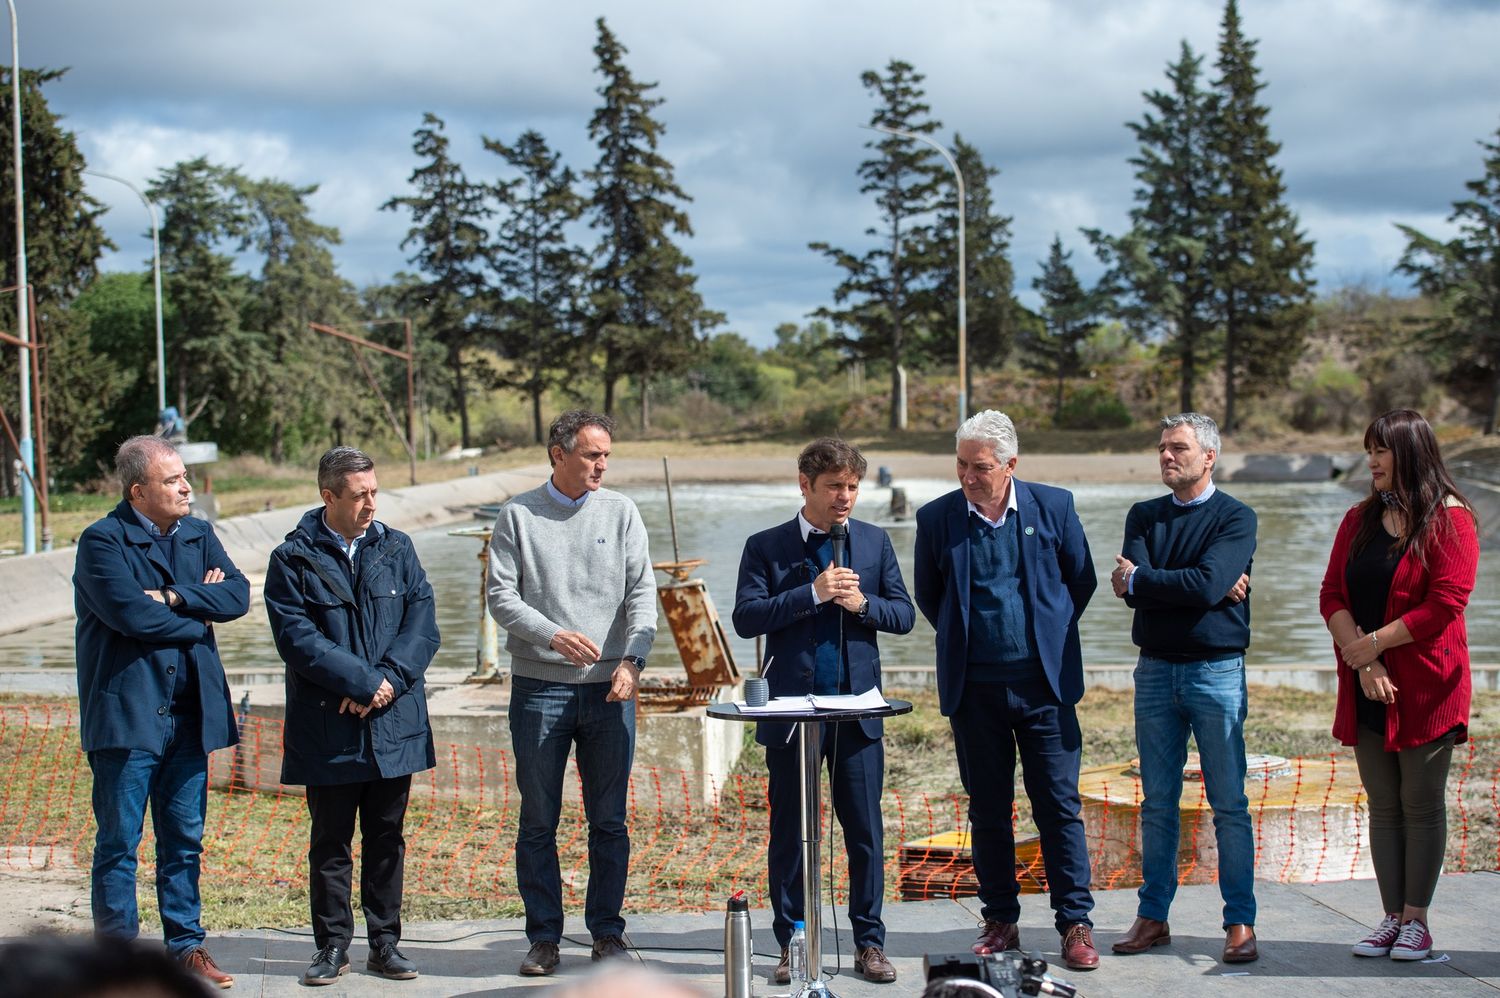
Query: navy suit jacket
[[128, 646], [1058, 576], [774, 598]]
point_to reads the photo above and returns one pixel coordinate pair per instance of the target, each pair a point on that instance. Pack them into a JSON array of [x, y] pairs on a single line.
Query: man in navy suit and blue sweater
[[820, 620], [1003, 573]]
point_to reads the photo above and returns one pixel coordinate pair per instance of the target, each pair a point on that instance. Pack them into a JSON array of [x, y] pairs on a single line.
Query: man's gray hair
[[564, 430], [335, 467], [1204, 428], [134, 458], [994, 428]]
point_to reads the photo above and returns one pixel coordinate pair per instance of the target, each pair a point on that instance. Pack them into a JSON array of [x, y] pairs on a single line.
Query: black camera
[[1009, 975]]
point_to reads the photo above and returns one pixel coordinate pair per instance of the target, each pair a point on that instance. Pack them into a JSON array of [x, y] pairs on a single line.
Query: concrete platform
[[1305, 932]]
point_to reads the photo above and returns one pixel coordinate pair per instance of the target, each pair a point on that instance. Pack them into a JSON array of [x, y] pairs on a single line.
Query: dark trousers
[[993, 722], [381, 807], [1408, 795], [856, 766]]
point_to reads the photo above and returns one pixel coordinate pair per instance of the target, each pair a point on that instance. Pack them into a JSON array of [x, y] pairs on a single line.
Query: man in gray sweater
[[570, 582]]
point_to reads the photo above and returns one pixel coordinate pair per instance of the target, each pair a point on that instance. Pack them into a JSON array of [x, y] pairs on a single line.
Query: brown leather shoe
[[783, 974], [871, 962], [541, 959], [997, 937], [1239, 944], [1144, 934], [199, 962], [1078, 948]]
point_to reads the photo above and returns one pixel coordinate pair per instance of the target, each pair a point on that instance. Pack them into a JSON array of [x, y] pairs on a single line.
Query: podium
[[810, 799]]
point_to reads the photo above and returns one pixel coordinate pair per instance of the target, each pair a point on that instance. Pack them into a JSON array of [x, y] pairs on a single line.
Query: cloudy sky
[[1378, 104]]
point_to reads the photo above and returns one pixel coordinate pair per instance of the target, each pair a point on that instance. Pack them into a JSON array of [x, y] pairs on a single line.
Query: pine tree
[[881, 293], [1463, 275], [646, 314], [1259, 259], [213, 359], [1069, 314], [63, 244], [991, 304], [449, 220], [1158, 272], [540, 270]]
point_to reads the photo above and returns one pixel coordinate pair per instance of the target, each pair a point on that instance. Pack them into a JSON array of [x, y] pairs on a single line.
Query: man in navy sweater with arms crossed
[[1185, 571]]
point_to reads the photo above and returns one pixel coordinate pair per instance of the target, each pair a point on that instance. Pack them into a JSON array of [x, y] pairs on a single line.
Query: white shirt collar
[[807, 528], [1010, 507]]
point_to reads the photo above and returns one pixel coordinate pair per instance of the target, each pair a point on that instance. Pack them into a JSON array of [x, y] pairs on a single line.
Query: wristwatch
[[635, 660], [864, 608]]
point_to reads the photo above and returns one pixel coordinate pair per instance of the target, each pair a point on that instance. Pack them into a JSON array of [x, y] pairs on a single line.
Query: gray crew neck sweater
[[557, 568]]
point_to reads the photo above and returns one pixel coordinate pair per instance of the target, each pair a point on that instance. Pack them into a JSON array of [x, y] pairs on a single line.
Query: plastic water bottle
[[738, 947], [797, 954]]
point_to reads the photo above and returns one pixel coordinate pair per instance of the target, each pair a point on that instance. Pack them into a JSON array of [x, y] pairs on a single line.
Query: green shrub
[[1094, 407]]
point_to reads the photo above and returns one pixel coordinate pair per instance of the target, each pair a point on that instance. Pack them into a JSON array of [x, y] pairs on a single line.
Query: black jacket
[[340, 640]]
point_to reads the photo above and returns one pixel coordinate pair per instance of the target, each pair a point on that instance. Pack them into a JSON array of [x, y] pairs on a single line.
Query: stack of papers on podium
[[812, 703]]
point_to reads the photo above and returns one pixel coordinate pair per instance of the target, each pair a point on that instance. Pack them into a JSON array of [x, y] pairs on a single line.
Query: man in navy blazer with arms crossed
[[1003, 572], [820, 622]]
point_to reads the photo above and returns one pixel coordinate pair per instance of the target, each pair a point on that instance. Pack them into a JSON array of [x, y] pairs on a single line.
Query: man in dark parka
[[353, 618], [149, 583]]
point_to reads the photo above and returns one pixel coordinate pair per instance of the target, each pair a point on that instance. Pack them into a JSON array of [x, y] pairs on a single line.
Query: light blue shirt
[[152, 528], [348, 547], [563, 500]]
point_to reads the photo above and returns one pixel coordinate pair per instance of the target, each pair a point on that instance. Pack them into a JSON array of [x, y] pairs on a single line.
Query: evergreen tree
[[539, 270], [63, 244], [1259, 259], [213, 359], [991, 305], [1069, 314], [646, 314], [881, 293], [1463, 275], [298, 284], [449, 219], [1158, 272]]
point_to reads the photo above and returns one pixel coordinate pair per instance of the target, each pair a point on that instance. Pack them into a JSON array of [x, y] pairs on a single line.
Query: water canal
[[1297, 523]]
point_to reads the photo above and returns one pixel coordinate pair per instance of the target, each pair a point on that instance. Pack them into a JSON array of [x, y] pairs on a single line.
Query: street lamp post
[[161, 352], [23, 314], [963, 270]]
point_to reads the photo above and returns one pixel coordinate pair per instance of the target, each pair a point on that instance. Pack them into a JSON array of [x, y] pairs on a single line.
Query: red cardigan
[[1432, 672]]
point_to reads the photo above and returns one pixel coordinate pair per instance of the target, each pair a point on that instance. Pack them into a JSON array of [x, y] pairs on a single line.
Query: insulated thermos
[[737, 947]]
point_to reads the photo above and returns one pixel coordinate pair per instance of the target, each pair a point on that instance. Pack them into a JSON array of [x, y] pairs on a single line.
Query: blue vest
[[1002, 646]]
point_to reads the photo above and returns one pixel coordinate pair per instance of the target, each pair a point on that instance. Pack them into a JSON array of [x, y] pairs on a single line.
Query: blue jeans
[[546, 720], [1205, 698], [175, 785]]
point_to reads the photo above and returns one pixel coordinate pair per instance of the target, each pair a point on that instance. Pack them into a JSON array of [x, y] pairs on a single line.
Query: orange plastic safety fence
[[696, 837]]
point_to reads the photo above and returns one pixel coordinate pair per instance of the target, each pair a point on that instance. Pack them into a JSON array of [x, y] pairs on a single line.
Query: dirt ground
[[42, 894]]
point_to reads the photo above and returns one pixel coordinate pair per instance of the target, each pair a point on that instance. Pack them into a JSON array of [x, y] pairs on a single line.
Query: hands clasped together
[[1363, 656], [582, 652], [841, 585]]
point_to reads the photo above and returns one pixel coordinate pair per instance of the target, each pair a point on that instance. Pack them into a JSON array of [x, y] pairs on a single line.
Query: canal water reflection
[[1297, 523]]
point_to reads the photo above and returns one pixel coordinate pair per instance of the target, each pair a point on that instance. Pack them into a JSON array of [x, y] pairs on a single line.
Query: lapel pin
[[1030, 531]]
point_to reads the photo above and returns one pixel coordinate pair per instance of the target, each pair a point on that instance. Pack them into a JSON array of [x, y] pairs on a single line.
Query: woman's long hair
[[1421, 484]]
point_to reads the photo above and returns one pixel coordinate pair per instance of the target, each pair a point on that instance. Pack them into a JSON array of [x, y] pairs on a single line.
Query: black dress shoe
[[387, 961], [331, 963], [541, 959], [610, 948]]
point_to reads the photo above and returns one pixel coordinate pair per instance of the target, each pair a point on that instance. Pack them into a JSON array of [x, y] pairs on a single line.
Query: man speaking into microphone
[[819, 587]]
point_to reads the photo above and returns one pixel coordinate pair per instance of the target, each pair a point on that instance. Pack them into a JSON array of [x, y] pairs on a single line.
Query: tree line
[[565, 286]]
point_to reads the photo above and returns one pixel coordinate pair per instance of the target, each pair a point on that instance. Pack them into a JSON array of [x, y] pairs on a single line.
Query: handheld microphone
[[839, 534]]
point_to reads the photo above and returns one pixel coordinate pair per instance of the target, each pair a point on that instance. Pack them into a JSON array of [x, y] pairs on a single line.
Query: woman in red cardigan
[[1393, 597]]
